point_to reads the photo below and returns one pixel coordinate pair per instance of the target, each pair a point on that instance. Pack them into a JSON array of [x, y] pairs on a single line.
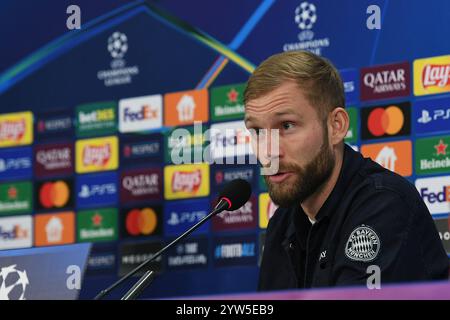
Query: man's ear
[[338, 124]]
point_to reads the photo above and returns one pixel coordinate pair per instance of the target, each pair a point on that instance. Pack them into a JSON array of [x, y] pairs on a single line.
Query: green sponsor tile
[[432, 155], [16, 198], [185, 143], [97, 225], [227, 102], [94, 119], [352, 134]]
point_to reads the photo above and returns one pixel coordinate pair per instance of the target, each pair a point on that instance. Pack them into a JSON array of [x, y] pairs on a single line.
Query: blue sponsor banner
[[351, 85], [432, 116], [181, 215], [235, 250], [223, 174], [16, 163], [102, 260], [54, 124], [145, 149], [95, 190], [189, 254]]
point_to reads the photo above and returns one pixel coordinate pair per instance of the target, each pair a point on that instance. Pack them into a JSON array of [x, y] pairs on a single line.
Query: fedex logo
[[146, 112], [140, 113], [436, 197], [435, 192]]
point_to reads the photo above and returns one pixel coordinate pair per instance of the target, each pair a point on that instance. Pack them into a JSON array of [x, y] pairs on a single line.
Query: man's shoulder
[[372, 178]]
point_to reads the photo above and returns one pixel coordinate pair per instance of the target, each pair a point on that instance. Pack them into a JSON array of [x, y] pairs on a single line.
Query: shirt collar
[[351, 164]]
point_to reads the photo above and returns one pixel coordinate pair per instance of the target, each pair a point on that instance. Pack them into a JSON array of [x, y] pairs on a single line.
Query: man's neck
[[313, 203]]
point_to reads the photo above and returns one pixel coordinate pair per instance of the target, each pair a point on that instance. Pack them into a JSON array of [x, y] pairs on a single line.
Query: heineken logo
[[441, 148], [432, 155], [97, 225], [227, 102]]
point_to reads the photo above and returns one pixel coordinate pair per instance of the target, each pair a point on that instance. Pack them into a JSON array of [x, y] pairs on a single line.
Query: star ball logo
[[391, 120], [13, 283]]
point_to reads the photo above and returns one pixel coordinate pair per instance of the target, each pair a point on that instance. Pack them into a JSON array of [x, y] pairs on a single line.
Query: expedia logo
[[186, 181]]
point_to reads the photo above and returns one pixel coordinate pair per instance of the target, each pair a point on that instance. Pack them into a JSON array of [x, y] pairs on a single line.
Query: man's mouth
[[279, 177]]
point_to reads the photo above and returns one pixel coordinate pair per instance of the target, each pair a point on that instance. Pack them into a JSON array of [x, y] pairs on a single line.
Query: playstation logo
[[425, 118]]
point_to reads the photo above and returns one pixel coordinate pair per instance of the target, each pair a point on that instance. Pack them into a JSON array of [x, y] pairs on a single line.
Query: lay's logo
[[432, 75], [16, 129], [186, 181], [96, 154]]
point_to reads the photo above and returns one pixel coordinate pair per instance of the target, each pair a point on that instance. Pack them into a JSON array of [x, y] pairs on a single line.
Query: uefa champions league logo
[[13, 283], [305, 15], [117, 45]]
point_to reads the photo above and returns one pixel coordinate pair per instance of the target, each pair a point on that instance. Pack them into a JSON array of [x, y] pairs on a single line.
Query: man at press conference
[[340, 215]]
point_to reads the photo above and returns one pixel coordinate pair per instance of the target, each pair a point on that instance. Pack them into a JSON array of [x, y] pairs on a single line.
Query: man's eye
[[287, 125]]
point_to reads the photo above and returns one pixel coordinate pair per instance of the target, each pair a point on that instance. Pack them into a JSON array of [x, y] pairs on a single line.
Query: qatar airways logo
[[96, 155], [12, 130], [186, 181], [436, 75]]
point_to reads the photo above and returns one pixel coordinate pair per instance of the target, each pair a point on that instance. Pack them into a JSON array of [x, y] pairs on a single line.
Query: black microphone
[[233, 196]]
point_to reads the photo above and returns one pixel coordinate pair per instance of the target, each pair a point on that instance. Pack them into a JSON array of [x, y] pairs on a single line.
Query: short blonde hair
[[316, 76]]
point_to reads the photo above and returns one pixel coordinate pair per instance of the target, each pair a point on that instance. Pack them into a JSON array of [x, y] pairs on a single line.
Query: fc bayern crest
[[363, 244]]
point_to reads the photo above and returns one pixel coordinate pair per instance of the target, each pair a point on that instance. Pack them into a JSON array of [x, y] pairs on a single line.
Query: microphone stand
[[148, 276]]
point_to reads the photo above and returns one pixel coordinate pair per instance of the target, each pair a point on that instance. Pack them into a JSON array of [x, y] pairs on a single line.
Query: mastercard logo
[[54, 194], [383, 121], [141, 221]]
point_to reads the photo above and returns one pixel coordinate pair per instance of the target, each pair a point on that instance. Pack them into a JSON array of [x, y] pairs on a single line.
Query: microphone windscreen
[[237, 192]]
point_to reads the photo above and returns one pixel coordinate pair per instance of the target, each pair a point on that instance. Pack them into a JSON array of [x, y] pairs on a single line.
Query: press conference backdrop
[[88, 117]]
